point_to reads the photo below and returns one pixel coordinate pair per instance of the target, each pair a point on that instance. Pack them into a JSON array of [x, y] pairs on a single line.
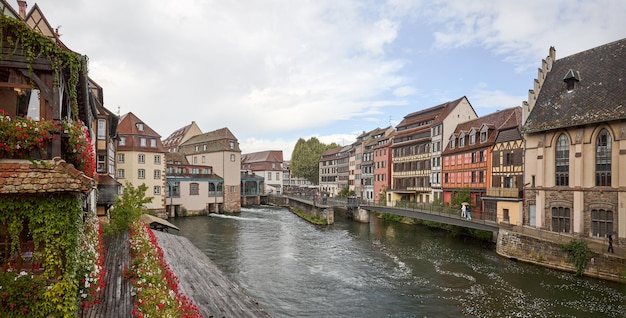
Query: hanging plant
[[80, 150], [21, 135]]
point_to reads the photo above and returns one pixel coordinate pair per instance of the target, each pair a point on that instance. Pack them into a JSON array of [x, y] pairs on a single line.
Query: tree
[[462, 195], [305, 158], [129, 207]]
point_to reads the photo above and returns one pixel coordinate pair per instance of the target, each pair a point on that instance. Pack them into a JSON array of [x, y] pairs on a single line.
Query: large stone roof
[[598, 95]]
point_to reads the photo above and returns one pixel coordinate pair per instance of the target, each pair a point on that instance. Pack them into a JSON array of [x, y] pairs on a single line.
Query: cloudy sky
[[273, 71]]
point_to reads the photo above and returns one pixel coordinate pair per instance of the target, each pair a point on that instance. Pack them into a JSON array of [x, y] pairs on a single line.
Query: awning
[[157, 223]]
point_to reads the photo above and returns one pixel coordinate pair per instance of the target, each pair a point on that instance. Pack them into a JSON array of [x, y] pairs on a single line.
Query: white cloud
[[266, 69]]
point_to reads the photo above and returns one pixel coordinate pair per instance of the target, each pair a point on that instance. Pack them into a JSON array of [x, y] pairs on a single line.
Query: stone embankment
[[544, 248]]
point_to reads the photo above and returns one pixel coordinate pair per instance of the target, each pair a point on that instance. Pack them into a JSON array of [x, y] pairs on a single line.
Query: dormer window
[[483, 134], [571, 78], [452, 142], [462, 139], [472, 136]]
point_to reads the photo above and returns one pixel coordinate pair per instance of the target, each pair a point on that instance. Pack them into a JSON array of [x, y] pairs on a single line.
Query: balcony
[[26, 138], [504, 192]]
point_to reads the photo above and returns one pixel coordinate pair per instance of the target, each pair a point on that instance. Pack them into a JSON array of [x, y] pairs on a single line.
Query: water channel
[[386, 269]]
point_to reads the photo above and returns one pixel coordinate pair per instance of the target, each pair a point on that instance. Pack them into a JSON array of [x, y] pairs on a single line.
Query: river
[[386, 269]]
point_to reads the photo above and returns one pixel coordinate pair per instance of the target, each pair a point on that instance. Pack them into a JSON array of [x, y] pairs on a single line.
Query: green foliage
[[391, 217], [309, 217], [128, 207], [578, 253], [54, 223], [462, 195], [345, 192], [305, 158]]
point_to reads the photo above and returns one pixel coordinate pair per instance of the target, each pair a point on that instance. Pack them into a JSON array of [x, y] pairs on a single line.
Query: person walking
[[463, 210], [468, 212], [610, 250]]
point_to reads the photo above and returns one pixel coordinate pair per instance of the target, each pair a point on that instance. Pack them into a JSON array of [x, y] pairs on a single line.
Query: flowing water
[[386, 269]]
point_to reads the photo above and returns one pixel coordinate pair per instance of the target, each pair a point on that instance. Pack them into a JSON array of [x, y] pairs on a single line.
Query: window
[[122, 141], [603, 159], [562, 161], [508, 159], [120, 173], [505, 214], [232, 145], [560, 219], [601, 222], [194, 188], [203, 159], [142, 142], [101, 163], [277, 175], [157, 174], [461, 141], [232, 157], [173, 189], [157, 160], [472, 138], [153, 143], [120, 157], [269, 176], [140, 126], [141, 158], [483, 134], [508, 182], [473, 176], [102, 128], [157, 190], [141, 173], [452, 142], [204, 147]]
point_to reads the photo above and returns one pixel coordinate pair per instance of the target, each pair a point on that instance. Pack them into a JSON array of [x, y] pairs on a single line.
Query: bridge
[[440, 215]]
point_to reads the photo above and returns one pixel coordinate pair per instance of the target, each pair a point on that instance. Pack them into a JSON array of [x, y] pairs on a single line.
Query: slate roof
[[599, 94], [500, 120], [174, 139], [263, 160], [436, 113], [127, 128], [216, 141]]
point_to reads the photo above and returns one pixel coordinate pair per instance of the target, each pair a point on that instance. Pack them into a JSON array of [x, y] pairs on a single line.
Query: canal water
[[385, 269]]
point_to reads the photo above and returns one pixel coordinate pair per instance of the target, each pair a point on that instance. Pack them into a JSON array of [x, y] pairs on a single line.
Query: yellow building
[[141, 160]]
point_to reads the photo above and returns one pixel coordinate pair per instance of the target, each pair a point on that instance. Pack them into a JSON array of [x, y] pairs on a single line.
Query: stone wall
[[548, 253]]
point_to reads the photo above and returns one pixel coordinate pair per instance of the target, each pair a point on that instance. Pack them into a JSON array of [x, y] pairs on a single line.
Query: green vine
[[578, 253], [54, 224], [34, 45]]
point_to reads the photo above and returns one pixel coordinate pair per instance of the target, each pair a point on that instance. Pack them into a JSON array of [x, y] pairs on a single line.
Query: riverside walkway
[[116, 300]]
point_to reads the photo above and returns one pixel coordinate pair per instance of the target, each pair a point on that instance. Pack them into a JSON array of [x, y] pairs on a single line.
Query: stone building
[[575, 132]]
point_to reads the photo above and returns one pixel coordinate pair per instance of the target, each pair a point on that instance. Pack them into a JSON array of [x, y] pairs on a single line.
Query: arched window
[[603, 158], [561, 159]]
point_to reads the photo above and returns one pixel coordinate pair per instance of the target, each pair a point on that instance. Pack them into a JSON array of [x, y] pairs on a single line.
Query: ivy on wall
[[54, 223], [34, 45]]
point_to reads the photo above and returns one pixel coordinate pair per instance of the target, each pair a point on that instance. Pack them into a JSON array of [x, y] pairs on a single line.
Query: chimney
[[22, 4]]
